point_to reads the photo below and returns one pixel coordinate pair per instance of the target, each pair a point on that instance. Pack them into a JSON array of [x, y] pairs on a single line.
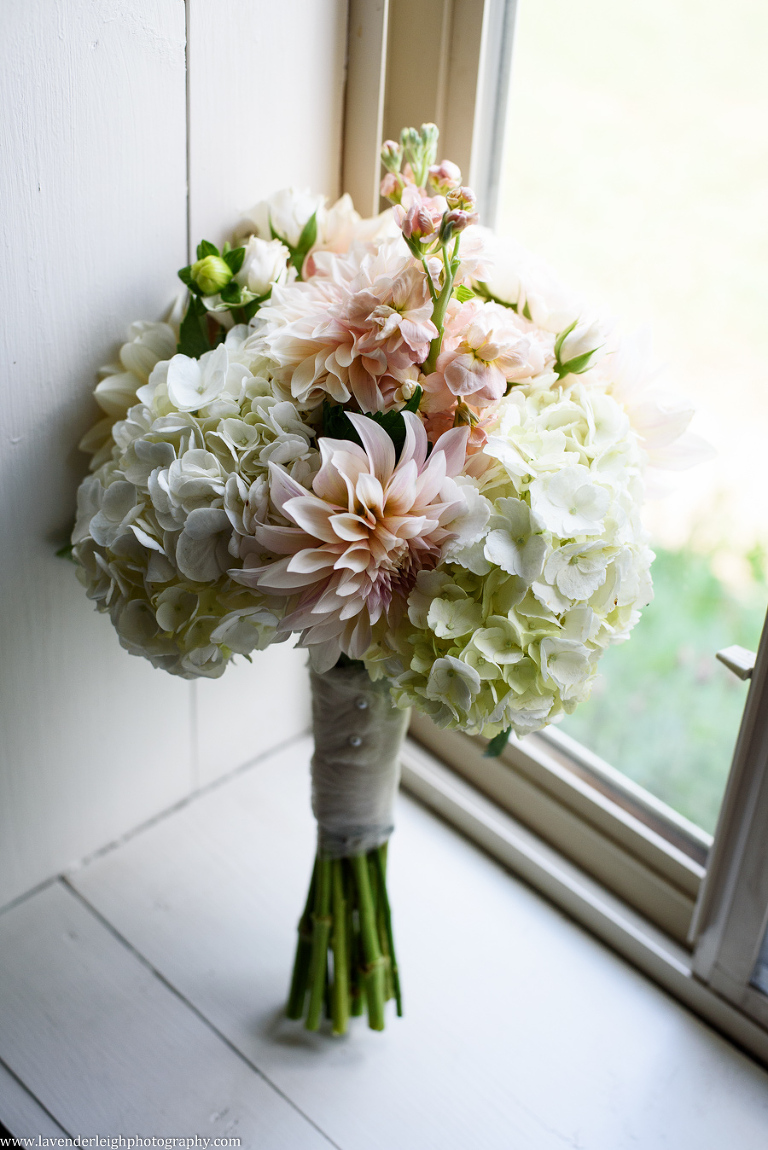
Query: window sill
[[584, 899], [534, 781]]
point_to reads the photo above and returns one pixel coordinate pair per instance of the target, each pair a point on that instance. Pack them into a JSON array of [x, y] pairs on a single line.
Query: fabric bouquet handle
[[345, 958]]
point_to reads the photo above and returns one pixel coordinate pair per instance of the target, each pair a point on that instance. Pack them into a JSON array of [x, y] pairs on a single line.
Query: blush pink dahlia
[[359, 539], [355, 332]]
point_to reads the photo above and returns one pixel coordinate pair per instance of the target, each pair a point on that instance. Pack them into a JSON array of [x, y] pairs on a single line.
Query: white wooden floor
[[142, 994]]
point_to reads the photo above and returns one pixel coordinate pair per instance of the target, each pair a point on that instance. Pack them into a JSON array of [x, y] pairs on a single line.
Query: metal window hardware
[[739, 660]]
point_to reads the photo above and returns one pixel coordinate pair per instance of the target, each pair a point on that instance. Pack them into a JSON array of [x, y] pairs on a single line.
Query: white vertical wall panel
[[265, 112], [92, 229], [265, 103]]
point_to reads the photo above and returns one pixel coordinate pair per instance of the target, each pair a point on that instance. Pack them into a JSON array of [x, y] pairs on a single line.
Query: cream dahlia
[[356, 543]]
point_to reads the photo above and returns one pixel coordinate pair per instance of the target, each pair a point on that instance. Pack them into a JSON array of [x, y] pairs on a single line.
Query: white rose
[[579, 347], [265, 264], [285, 213]]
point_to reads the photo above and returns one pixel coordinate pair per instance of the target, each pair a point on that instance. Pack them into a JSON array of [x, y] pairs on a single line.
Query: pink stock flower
[[456, 220], [356, 543], [487, 353], [390, 187], [444, 177], [419, 215], [462, 198], [414, 222]]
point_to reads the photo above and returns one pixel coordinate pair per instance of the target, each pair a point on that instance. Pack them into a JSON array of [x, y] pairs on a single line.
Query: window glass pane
[[637, 166]]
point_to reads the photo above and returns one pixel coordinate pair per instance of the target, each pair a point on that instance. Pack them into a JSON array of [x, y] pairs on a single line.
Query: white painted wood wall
[[122, 121]]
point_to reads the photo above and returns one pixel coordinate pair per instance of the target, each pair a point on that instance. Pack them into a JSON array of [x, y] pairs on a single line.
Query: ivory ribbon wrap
[[356, 764]]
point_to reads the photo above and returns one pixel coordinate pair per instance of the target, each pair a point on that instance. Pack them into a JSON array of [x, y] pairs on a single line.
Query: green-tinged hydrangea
[[509, 633]]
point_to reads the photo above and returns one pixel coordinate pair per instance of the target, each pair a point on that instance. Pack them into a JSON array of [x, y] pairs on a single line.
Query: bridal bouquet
[[401, 441]]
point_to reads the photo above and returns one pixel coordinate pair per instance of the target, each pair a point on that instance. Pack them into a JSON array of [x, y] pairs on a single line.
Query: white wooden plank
[[251, 709], [520, 1029], [93, 187], [265, 104], [109, 1049], [364, 102], [266, 85], [21, 1113]]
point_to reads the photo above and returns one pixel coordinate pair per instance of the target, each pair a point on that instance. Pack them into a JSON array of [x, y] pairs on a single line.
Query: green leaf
[[193, 336], [249, 310], [206, 248], [65, 552], [235, 259], [485, 292], [308, 235], [415, 401], [577, 365], [185, 275], [497, 744], [561, 337], [306, 241], [276, 235], [231, 294], [336, 424], [463, 293]]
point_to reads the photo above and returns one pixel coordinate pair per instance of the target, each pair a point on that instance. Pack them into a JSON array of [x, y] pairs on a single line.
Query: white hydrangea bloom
[[160, 521]]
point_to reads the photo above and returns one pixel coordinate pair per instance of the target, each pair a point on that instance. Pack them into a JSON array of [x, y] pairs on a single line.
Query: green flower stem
[[381, 930], [300, 978], [339, 945], [374, 960], [353, 939], [380, 859], [430, 285], [345, 955], [322, 921], [441, 304]]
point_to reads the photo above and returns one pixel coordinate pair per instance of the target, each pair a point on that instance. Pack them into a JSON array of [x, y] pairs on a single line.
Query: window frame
[[689, 910]]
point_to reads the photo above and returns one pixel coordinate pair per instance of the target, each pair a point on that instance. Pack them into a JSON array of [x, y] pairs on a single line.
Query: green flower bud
[[211, 274], [429, 137], [391, 155]]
